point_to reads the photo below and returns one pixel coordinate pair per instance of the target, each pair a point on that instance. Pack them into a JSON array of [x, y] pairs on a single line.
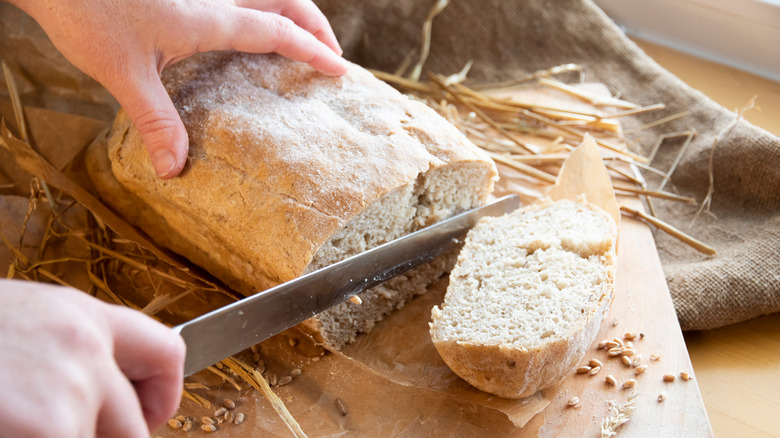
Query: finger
[[120, 415], [152, 357], [144, 98], [304, 13], [247, 30]]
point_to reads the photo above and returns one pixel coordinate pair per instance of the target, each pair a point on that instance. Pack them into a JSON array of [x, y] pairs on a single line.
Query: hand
[[73, 366], [125, 44]]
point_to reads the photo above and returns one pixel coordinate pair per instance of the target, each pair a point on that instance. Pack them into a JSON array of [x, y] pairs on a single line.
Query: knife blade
[[230, 329]]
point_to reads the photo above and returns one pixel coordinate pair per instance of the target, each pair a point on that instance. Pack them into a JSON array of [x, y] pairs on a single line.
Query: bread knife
[[230, 329]]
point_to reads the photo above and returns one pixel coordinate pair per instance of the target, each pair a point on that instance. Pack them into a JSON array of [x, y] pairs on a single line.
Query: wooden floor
[[738, 367]]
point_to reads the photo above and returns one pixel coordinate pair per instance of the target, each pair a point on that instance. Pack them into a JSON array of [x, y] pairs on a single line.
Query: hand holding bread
[[126, 44]]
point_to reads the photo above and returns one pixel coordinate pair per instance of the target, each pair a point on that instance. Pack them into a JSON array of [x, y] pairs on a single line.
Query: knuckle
[[81, 336], [155, 124], [279, 29]]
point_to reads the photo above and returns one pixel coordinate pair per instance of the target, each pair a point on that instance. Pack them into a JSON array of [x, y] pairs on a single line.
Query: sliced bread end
[[527, 297]]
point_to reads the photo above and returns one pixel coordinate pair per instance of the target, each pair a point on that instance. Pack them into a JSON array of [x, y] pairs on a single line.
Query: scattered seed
[[626, 361], [685, 376], [239, 418], [220, 412], [611, 381], [208, 428], [220, 366], [669, 378], [628, 352], [187, 426], [181, 418], [175, 424], [284, 380], [602, 345], [661, 397], [256, 357], [255, 348], [614, 322], [293, 342], [594, 371], [630, 345], [618, 340], [207, 420], [655, 357], [341, 407], [228, 417], [574, 401], [614, 351], [628, 384], [583, 369], [630, 336], [355, 300], [637, 360], [272, 379], [595, 363], [315, 359], [611, 344], [641, 369], [230, 404], [295, 372]]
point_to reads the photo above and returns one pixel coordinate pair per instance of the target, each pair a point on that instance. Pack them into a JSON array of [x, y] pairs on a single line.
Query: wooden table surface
[[738, 367]]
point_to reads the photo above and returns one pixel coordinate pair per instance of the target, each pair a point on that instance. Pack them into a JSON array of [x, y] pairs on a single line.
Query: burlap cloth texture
[[505, 39]]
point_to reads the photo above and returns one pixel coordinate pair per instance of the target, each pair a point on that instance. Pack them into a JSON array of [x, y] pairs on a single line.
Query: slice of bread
[[527, 297]]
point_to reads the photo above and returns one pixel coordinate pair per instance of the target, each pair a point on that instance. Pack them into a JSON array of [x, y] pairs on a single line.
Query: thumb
[[150, 108]]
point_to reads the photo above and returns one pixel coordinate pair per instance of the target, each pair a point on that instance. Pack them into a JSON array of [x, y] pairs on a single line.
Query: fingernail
[[164, 162]]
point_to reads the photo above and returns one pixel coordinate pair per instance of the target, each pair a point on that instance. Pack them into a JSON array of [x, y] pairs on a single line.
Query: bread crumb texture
[[527, 296]]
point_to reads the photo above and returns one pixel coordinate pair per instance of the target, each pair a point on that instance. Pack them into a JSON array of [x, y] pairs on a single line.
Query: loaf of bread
[[289, 171], [527, 296]]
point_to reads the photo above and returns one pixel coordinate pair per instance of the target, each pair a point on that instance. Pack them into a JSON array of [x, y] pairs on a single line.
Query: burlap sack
[[508, 38]]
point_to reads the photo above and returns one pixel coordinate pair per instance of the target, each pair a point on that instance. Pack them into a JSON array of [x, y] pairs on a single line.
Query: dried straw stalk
[[658, 223], [254, 378]]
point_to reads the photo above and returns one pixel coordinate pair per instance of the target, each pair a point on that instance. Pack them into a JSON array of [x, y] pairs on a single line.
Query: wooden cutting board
[[642, 305]]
